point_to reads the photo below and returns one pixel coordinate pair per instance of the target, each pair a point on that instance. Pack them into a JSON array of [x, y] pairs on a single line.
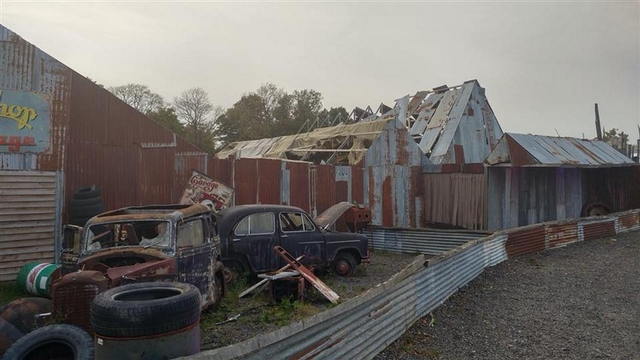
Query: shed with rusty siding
[[534, 178], [59, 131]]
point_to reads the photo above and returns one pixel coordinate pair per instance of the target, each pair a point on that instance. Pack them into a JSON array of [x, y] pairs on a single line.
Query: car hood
[[329, 216]]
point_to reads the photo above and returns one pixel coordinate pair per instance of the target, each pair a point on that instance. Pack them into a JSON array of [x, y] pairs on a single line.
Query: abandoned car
[[139, 244], [249, 233]]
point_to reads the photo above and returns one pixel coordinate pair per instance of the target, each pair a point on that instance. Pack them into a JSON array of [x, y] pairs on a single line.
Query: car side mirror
[[71, 239]]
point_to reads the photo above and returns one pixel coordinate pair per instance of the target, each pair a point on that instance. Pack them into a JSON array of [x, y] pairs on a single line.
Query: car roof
[[174, 212], [228, 217]]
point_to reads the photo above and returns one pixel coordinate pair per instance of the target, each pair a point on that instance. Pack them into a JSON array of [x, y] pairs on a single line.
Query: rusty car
[[138, 244], [249, 234]]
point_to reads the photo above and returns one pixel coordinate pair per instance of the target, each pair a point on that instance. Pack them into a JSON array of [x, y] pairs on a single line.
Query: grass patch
[[9, 291]]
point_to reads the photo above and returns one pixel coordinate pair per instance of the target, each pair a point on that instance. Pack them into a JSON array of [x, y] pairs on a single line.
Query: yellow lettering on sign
[[22, 115]]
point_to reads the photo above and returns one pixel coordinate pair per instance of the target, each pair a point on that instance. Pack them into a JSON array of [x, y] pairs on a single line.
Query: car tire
[[344, 264], [87, 211], [79, 203], [88, 192], [145, 309], [61, 341]]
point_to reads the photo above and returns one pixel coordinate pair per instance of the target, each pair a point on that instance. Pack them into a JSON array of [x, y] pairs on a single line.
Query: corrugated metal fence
[[365, 325], [28, 220]]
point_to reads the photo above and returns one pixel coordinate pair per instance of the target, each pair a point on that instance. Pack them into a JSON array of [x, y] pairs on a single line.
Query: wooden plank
[[27, 198], [27, 211], [28, 192], [27, 256], [27, 224], [28, 185], [26, 230], [26, 217], [264, 282], [28, 205], [308, 275], [40, 248], [24, 240]]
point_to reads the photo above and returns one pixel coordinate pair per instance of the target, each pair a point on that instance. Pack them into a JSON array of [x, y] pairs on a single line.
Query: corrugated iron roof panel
[[557, 151]]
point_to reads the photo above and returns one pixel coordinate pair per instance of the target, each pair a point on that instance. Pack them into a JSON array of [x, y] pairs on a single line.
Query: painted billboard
[[25, 122], [200, 187]]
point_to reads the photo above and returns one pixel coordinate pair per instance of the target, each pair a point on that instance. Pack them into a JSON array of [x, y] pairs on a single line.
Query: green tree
[[247, 119], [198, 114], [166, 116], [138, 96]]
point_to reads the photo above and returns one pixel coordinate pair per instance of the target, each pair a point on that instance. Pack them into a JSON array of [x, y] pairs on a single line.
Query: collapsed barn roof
[[445, 123], [547, 151]]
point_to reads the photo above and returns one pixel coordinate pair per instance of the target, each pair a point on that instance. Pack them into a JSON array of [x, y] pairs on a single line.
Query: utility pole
[[598, 127]]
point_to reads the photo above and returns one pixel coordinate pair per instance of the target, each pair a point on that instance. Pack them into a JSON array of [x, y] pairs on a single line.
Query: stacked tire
[[85, 203], [156, 320]]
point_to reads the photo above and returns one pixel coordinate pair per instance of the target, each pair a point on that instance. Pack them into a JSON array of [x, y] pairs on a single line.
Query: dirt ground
[[581, 301]]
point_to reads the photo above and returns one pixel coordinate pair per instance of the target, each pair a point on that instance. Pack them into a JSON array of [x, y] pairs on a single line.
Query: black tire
[[79, 221], [61, 341], [344, 264], [145, 309], [87, 211], [78, 203], [88, 192]]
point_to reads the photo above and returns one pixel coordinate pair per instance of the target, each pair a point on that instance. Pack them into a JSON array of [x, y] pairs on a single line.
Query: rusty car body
[[249, 233], [125, 245]]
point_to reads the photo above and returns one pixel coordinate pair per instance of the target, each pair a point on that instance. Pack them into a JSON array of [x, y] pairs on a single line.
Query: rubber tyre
[[78, 203], [79, 221], [87, 211], [59, 341], [88, 192], [344, 264], [145, 309]]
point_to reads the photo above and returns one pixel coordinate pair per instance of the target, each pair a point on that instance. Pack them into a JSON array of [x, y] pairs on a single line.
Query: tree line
[[269, 111]]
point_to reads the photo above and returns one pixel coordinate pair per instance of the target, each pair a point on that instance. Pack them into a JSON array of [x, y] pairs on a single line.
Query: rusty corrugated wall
[[526, 240], [28, 70], [560, 234], [298, 189], [131, 158], [455, 199]]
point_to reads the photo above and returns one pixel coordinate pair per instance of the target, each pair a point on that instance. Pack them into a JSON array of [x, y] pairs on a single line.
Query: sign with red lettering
[[25, 122], [200, 187]]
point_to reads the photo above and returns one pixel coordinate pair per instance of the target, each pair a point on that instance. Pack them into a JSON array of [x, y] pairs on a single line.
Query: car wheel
[[88, 192], [344, 264], [61, 341], [145, 309]]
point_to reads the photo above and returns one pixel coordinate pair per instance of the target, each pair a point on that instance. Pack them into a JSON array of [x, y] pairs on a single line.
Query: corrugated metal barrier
[[363, 326], [420, 241]]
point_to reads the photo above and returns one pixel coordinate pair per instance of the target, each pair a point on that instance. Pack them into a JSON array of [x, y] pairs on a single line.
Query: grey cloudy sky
[[543, 64]]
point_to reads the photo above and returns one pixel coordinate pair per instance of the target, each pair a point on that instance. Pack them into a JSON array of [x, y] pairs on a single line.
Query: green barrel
[[35, 278]]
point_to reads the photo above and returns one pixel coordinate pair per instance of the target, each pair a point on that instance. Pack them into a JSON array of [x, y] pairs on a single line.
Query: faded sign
[[200, 187], [25, 122]]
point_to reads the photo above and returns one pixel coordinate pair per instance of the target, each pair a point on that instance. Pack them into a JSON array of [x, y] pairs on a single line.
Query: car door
[[300, 236], [194, 250], [255, 236]]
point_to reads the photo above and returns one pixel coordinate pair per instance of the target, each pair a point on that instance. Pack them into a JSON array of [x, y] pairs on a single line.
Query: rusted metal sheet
[[72, 297], [220, 169], [525, 240], [269, 177], [325, 189], [357, 185], [28, 219], [628, 221], [598, 229], [245, 181], [455, 199], [299, 189], [131, 158], [561, 234], [527, 149], [29, 76]]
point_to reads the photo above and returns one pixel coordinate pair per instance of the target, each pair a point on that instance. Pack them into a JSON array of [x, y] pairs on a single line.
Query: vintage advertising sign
[[25, 122], [200, 187]]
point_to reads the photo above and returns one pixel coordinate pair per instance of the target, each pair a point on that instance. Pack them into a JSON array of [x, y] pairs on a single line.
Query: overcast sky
[[543, 64]]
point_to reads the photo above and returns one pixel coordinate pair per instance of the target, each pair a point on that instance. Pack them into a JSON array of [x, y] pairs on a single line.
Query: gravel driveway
[[581, 301]]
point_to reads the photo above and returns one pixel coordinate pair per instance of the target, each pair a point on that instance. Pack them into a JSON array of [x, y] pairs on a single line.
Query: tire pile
[[85, 203]]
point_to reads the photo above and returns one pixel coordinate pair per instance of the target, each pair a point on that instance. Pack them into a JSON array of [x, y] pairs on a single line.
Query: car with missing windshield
[[249, 233], [176, 243]]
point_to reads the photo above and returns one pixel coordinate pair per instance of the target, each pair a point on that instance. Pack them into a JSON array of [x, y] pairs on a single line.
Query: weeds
[[10, 292]]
